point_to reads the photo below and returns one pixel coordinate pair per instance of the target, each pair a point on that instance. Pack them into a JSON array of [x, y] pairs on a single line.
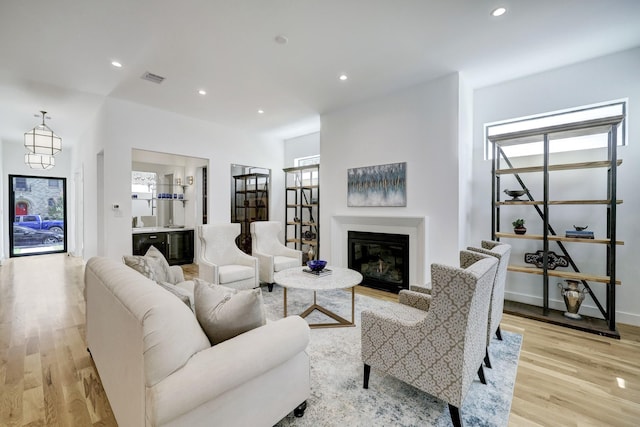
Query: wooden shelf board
[[556, 317], [556, 238], [559, 167], [311, 168], [563, 274], [305, 187], [556, 202]]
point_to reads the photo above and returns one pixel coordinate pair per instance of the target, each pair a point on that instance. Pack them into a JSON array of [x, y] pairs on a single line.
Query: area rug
[[337, 397]]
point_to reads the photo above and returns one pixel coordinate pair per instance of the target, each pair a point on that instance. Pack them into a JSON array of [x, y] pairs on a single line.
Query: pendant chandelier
[[41, 144], [39, 161]]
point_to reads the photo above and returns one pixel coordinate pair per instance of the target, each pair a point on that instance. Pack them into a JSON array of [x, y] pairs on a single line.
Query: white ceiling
[[56, 55]]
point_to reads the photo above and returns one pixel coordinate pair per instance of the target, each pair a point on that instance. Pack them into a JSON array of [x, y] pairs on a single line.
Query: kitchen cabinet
[[175, 245]]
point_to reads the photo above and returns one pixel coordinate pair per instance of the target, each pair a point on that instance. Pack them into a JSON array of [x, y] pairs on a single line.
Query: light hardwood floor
[[565, 377]]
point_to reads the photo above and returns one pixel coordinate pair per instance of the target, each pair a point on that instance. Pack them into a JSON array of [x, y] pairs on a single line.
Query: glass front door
[[38, 216]]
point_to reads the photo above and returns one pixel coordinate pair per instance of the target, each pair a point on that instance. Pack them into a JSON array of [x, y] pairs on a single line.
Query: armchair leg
[[299, 411], [455, 416], [499, 333], [270, 286], [481, 375], [487, 361], [367, 372]]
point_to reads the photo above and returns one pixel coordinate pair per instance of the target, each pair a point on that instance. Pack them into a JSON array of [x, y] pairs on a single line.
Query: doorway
[[38, 215]]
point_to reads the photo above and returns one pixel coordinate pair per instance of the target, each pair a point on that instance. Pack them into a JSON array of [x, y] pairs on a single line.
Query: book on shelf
[[324, 272], [579, 234]]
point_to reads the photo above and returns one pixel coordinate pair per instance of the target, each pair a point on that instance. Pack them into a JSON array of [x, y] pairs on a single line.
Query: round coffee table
[[334, 278]]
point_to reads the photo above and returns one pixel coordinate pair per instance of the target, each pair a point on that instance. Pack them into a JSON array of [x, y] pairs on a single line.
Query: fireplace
[[381, 258]]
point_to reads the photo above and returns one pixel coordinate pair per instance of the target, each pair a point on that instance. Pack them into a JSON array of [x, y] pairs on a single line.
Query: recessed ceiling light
[[498, 11], [116, 64], [280, 39], [343, 77], [202, 92], [260, 111]]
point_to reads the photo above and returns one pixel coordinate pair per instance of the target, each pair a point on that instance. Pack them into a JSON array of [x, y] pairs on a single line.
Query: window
[[573, 115], [306, 161], [20, 184], [39, 224]]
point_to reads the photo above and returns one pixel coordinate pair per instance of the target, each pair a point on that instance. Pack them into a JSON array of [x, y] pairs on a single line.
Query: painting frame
[[377, 186]]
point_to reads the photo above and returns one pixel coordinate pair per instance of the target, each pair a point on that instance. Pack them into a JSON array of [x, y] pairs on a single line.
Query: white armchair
[[272, 254], [221, 262]]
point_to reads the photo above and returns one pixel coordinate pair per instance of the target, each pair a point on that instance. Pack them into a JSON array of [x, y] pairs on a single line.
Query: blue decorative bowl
[[316, 264]]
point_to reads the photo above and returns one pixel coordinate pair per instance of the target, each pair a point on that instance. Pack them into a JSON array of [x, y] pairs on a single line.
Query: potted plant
[[518, 226]]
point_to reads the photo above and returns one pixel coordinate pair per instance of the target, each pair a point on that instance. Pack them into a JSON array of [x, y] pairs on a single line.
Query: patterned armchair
[[438, 351], [502, 252], [221, 262], [273, 255], [419, 296]]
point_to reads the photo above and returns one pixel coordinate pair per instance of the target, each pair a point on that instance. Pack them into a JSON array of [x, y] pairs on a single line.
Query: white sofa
[[158, 368]]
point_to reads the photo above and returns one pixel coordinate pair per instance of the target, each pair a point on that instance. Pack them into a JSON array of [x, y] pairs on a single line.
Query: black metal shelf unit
[[606, 325], [251, 203], [302, 210]]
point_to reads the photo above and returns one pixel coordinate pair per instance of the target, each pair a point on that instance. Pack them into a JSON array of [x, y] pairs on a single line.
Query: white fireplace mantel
[[416, 227]]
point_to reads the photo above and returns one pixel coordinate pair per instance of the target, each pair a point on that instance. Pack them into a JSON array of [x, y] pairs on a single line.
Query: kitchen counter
[[159, 229]]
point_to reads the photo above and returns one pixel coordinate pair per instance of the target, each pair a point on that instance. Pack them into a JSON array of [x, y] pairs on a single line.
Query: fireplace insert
[[381, 258]]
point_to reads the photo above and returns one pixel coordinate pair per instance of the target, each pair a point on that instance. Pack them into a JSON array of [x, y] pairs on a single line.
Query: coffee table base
[[341, 321]]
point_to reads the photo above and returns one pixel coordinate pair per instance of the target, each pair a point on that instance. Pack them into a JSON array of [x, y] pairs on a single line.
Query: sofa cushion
[[225, 313], [283, 262], [235, 273], [182, 294]]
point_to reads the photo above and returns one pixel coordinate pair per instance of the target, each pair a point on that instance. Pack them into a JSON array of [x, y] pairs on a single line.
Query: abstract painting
[[381, 185]]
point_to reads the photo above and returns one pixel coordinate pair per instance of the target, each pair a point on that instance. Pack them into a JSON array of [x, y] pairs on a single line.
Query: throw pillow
[[225, 313], [147, 266], [164, 270], [182, 294]]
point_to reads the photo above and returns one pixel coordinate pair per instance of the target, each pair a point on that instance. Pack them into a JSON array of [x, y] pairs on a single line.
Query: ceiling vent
[[152, 77]]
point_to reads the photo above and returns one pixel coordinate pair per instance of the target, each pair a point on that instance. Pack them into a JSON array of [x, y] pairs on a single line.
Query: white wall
[[302, 146], [419, 126], [603, 79], [123, 126], [3, 185], [91, 143], [465, 162]]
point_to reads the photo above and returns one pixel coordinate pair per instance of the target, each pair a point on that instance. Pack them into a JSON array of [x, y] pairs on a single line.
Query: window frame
[[622, 140]]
